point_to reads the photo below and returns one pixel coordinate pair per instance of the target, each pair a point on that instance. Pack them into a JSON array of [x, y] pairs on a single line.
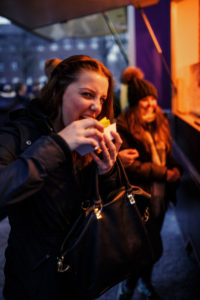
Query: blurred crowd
[[17, 96]]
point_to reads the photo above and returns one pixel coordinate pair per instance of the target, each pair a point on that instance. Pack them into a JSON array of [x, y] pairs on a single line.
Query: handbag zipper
[[146, 215], [131, 198]]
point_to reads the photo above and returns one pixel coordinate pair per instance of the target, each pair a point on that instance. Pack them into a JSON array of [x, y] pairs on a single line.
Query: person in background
[[50, 65], [144, 127], [44, 180], [8, 102], [21, 90], [35, 90]]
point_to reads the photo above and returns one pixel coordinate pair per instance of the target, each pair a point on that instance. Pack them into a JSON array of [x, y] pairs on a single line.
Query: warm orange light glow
[[185, 53]]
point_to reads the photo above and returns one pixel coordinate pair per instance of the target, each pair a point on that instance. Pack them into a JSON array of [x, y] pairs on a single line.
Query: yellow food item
[[105, 122]]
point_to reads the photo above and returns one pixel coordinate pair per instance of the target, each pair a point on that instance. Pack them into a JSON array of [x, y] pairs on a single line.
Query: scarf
[[158, 156]]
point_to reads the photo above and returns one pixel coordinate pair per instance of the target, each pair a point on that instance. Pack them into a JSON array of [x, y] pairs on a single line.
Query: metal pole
[[158, 48], [114, 33], [131, 35]]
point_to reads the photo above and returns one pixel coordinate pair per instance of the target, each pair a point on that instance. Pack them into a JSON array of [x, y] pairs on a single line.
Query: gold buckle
[[60, 265]]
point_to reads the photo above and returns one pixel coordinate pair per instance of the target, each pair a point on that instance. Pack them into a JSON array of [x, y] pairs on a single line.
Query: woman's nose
[[150, 103], [96, 106]]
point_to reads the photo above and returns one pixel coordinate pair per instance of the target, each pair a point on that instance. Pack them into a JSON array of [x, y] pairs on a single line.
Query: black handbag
[[108, 242]]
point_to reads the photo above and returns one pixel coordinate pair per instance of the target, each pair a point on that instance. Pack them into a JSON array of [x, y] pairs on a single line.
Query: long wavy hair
[[65, 73], [159, 127]]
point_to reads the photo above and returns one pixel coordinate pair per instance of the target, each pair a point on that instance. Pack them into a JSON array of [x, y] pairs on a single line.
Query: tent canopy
[[39, 15]]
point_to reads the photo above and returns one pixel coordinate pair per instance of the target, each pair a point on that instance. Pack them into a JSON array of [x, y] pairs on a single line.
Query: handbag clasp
[[60, 265], [97, 211], [146, 215], [131, 198]]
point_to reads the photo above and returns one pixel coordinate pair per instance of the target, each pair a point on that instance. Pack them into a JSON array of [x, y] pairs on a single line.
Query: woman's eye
[[87, 95]]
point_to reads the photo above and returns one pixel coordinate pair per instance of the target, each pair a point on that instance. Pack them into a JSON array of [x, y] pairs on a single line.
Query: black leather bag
[[108, 242]]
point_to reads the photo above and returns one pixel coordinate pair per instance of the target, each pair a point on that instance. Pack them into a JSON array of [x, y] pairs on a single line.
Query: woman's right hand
[[83, 132], [128, 156]]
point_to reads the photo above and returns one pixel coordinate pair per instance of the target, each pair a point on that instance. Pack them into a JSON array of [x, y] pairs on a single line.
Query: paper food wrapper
[[82, 150]]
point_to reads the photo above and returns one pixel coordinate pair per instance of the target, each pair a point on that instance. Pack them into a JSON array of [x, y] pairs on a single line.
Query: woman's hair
[[50, 65], [159, 127], [67, 72]]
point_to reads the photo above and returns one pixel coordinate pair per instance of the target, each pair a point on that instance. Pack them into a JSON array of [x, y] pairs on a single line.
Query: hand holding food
[[108, 128]]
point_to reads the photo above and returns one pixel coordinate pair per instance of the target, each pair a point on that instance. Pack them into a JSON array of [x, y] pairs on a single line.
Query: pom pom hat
[[138, 88]]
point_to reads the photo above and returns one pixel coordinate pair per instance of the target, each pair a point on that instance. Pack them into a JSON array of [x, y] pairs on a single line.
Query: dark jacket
[[8, 102], [42, 199]]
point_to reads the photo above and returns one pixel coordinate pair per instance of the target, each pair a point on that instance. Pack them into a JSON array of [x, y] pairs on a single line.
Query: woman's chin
[[149, 118]]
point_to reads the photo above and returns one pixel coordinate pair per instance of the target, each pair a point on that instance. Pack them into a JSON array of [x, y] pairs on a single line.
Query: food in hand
[[108, 128], [84, 149], [105, 122]]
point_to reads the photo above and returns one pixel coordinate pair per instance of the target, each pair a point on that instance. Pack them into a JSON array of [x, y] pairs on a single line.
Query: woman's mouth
[[85, 117]]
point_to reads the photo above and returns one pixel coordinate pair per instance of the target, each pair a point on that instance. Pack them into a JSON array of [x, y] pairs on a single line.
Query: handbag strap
[[96, 195], [124, 178], [130, 187], [131, 190]]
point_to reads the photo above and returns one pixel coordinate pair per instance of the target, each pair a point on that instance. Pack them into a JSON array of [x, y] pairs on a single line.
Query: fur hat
[[138, 88]]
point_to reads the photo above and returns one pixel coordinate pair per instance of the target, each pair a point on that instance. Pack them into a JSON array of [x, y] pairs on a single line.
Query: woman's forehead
[[148, 98], [91, 77]]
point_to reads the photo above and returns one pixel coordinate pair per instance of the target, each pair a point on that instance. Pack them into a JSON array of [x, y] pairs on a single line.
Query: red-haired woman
[[145, 131], [43, 178]]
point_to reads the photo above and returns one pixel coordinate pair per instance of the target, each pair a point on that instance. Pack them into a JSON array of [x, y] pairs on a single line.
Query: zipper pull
[[131, 198]]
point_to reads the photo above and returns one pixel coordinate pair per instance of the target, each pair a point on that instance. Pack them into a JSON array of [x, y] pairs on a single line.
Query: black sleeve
[[24, 176]]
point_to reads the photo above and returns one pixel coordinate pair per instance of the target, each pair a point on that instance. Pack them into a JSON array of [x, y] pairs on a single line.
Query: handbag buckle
[[60, 265], [131, 198], [97, 211], [146, 215]]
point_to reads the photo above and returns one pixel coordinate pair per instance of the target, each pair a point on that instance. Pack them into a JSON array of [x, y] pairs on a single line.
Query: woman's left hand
[[173, 175], [128, 156], [107, 157]]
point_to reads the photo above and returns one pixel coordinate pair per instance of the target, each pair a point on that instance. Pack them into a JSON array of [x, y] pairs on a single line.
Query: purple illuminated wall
[[147, 57]]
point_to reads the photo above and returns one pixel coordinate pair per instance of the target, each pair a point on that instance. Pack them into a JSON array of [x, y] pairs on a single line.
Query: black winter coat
[[40, 195]]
